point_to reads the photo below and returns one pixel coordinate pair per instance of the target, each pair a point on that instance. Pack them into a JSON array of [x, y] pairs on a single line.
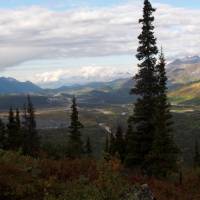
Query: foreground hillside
[[25, 178]]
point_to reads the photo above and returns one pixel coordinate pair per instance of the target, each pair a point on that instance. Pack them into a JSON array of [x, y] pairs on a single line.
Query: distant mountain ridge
[[82, 89], [184, 70], [180, 71], [11, 85], [183, 84]]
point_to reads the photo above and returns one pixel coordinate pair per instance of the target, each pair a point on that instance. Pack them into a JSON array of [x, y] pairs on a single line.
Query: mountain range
[[11, 85], [186, 70], [183, 75]]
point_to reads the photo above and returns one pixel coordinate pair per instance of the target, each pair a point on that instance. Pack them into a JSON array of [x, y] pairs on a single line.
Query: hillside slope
[[184, 70], [187, 94]]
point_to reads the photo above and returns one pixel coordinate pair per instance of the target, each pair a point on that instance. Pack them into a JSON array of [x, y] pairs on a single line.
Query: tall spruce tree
[[163, 156], [3, 138], [143, 120], [75, 145]]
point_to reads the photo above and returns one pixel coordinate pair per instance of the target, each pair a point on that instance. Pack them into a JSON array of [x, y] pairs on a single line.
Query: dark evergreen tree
[[24, 130], [12, 142], [3, 138], [75, 144], [163, 156], [18, 122], [88, 147], [131, 147], [24, 123], [31, 138], [143, 121], [196, 154], [119, 143], [107, 146], [112, 144], [19, 132]]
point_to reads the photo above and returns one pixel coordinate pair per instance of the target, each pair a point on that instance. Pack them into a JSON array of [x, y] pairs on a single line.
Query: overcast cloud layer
[[39, 33], [36, 33]]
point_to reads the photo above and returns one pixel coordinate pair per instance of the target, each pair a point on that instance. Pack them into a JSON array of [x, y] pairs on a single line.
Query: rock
[[142, 192], [146, 193]]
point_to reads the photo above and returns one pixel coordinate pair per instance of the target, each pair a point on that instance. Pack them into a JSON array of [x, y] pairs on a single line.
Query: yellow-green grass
[[186, 93]]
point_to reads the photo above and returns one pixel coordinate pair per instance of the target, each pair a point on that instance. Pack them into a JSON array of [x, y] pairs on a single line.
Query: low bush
[[25, 178]]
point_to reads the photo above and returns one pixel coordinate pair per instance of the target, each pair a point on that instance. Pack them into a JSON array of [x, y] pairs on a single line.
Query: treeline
[[19, 133]]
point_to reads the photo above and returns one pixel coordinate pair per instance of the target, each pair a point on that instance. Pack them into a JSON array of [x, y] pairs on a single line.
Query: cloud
[[47, 77], [39, 33], [81, 75]]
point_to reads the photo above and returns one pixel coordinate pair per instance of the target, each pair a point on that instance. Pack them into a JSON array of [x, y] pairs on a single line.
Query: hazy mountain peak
[[186, 60], [184, 70], [10, 85], [9, 79]]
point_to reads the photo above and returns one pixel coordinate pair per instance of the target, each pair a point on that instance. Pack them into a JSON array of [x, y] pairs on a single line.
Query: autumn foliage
[[26, 178]]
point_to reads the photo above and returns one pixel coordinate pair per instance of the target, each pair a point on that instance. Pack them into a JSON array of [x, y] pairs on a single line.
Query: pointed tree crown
[[75, 123]]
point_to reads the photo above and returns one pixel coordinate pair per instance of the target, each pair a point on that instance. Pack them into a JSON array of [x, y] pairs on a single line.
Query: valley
[[105, 105], [53, 122], [183, 83]]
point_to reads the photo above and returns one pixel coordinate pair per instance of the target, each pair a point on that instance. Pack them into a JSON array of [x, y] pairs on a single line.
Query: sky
[[54, 43], [60, 4]]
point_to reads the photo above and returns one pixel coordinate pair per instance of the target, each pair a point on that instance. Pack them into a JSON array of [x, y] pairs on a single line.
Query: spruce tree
[[75, 144], [3, 138], [131, 147], [18, 129], [18, 122], [106, 149], [24, 130], [196, 154], [88, 147], [119, 146], [11, 131], [112, 145], [163, 156], [31, 143], [143, 121]]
